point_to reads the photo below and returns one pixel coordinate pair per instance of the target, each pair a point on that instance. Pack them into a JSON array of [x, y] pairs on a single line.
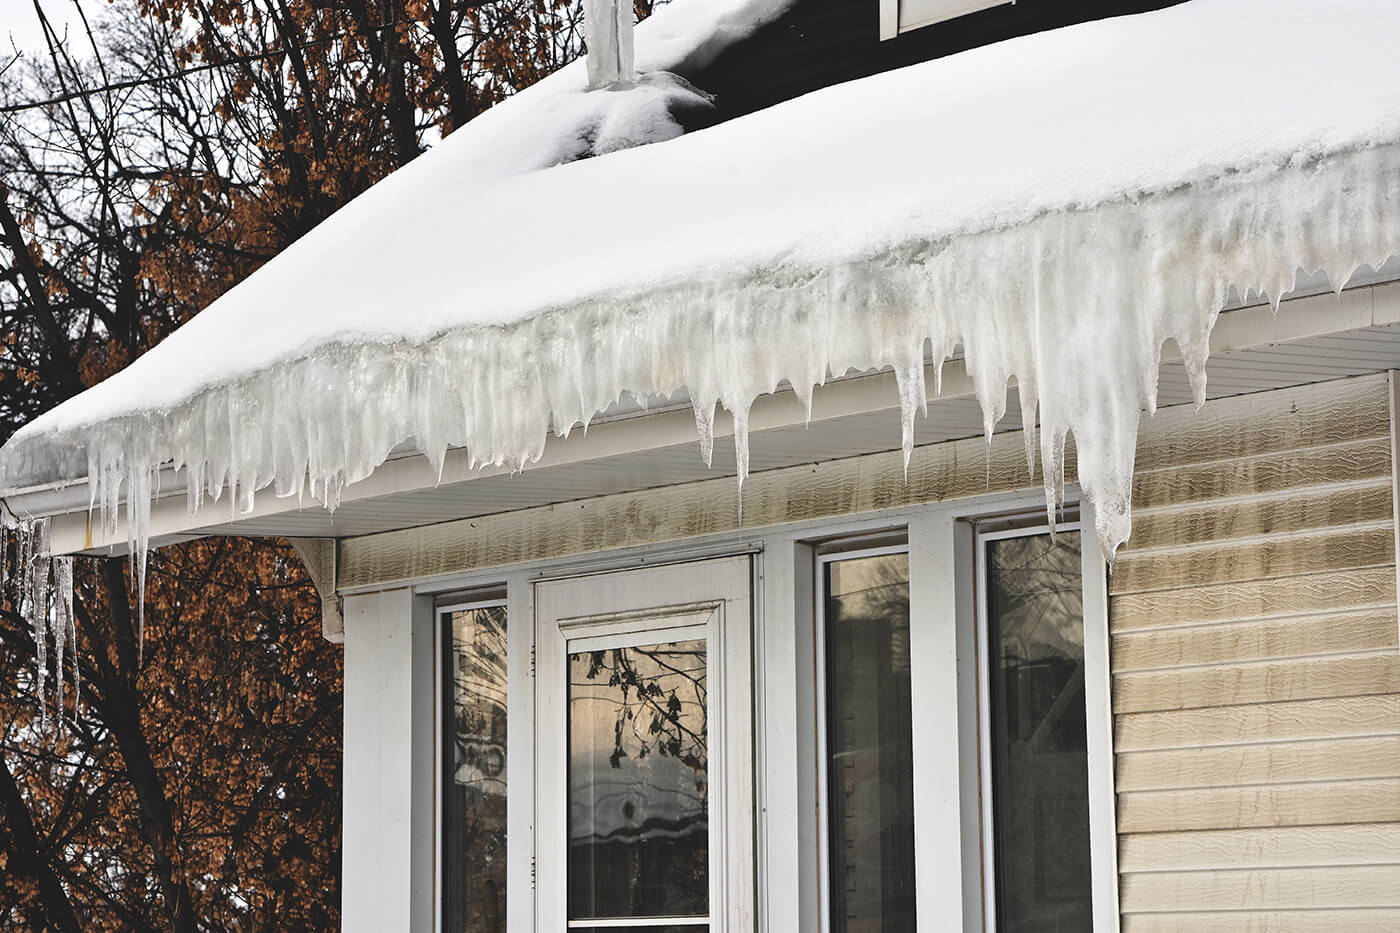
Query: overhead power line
[[127, 84]]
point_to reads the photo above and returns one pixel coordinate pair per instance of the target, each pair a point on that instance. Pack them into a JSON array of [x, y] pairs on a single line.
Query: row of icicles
[[41, 592]]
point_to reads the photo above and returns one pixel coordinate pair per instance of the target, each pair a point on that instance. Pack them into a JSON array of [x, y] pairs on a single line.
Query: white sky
[[20, 25]]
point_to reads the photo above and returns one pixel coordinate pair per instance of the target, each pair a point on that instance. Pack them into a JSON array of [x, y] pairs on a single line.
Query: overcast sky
[[18, 23]]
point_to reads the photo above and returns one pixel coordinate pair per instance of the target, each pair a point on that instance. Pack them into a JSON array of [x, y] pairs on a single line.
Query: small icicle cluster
[[41, 591]]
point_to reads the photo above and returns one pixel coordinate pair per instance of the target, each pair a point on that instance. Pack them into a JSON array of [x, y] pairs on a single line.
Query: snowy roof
[[1058, 204]]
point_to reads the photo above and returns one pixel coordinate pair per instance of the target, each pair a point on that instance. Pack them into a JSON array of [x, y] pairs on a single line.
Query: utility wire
[[129, 83]]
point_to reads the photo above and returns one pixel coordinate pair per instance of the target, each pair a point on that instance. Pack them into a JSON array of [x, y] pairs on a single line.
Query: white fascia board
[[75, 530]]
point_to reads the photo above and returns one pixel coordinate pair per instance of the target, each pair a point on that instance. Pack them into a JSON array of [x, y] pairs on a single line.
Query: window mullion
[[520, 789], [1098, 711], [942, 619]]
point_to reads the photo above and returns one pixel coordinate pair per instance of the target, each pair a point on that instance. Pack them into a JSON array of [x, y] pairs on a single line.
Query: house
[[859, 663]]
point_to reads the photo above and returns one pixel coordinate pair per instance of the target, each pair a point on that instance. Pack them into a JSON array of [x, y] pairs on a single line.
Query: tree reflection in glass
[[638, 782], [474, 787], [869, 745], [1035, 641]]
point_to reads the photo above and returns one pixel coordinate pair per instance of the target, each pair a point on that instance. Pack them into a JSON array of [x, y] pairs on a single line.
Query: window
[[1034, 750], [639, 782], [898, 16], [474, 769], [644, 793], [868, 748], [923, 743]]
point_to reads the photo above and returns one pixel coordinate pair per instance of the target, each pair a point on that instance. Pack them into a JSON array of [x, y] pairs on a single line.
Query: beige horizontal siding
[[1337, 548], [1204, 602], [1248, 765], [1260, 723], [1257, 682], [1264, 889], [1316, 804], [1255, 639], [1294, 512], [1280, 472], [1268, 847], [1256, 676], [1382, 920]]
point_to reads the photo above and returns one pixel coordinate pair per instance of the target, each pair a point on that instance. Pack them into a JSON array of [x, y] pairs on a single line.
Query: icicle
[[1073, 304], [913, 400], [705, 428], [63, 623], [607, 28], [741, 450], [39, 612], [141, 480]]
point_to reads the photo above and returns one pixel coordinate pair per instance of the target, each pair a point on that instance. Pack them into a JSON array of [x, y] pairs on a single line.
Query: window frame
[[1003, 530], [600, 614], [894, 20], [844, 549], [790, 809], [443, 609]]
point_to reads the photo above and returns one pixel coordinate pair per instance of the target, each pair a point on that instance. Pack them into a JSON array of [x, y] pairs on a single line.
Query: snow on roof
[[1059, 205]]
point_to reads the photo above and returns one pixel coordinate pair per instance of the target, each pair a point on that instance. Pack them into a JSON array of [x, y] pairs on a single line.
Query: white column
[[788, 807], [1098, 710], [520, 755], [942, 648], [387, 831]]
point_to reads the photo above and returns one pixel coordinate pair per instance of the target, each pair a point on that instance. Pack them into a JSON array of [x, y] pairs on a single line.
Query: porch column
[[387, 831]]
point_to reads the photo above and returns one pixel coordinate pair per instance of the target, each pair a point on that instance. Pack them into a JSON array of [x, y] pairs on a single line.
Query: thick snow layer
[[1059, 205]]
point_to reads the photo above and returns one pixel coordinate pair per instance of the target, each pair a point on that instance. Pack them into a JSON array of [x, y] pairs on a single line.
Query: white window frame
[[845, 550], [609, 616], [790, 857], [899, 16], [442, 693], [1103, 846]]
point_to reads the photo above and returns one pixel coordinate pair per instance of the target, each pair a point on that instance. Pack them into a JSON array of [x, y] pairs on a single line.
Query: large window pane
[[869, 745], [638, 782], [1040, 800], [474, 756]]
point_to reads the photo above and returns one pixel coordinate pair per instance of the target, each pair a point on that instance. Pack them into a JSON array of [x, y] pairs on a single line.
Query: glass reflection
[[638, 782], [1040, 781], [870, 762], [474, 787]]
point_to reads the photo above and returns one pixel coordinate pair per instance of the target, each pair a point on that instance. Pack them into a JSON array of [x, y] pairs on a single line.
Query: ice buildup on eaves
[[1074, 305], [873, 224]]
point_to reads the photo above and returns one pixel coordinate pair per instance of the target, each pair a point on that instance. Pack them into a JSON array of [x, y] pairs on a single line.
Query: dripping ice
[[41, 592], [1073, 307], [1065, 273]]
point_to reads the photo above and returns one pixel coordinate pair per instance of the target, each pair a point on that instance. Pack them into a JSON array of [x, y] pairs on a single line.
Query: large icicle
[[43, 594], [854, 228], [607, 26], [1075, 306]]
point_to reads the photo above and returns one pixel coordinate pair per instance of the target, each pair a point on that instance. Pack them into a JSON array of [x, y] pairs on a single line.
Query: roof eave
[[631, 432]]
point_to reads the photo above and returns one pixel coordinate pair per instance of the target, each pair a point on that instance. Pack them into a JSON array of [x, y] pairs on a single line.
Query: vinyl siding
[[1256, 679]]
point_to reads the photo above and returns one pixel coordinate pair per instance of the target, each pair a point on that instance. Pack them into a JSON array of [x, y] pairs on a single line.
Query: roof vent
[[607, 28]]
